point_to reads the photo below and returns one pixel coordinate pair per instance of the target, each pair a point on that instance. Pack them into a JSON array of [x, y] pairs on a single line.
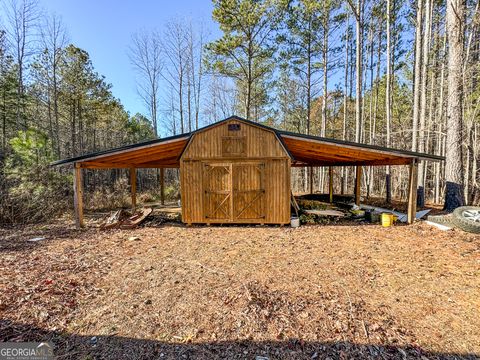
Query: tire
[[441, 219], [467, 218]]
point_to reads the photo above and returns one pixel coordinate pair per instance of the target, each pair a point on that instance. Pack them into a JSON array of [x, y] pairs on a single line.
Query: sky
[[104, 28]]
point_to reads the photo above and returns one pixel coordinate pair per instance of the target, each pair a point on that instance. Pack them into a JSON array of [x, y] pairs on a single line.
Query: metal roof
[[310, 150], [124, 148]]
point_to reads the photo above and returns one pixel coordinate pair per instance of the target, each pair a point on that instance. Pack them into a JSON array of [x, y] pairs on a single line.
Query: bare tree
[[54, 38], [195, 73], [146, 55], [22, 20], [175, 46], [222, 100]]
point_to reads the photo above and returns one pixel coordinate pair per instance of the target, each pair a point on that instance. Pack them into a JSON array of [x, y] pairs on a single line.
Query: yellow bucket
[[387, 219]]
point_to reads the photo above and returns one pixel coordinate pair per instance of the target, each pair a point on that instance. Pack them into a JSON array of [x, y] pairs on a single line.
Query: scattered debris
[[294, 222], [294, 203], [420, 214], [124, 220], [438, 226], [113, 220], [325, 213], [161, 217], [372, 216], [134, 238], [35, 239], [135, 219], [358, 213], [93, 341], [402, 217], [305, 204]]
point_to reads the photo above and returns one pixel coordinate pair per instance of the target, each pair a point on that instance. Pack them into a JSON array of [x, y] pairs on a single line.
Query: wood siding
[[211, 143], [235, 176]]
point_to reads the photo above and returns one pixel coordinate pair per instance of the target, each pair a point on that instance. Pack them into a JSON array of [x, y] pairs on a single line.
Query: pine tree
[[245, 51]]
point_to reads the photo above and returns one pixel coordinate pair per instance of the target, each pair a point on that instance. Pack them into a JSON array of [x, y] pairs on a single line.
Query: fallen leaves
[[335, 291]]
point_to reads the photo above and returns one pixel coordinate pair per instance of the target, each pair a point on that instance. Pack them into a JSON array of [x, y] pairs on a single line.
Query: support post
[[412, 192], [162, 186], [78, 195], [133, 186], [310, 179], [330, 183], [358, 182]]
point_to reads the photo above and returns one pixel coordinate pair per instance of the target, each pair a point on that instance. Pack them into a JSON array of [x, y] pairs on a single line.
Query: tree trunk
[[345, 106], [423, 104], [358, 61], [325, 71], [388, 105], [454, 196], [417, 74]]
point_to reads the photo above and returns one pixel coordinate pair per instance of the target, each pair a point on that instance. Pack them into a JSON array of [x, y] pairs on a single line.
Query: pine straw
[[349, 291]]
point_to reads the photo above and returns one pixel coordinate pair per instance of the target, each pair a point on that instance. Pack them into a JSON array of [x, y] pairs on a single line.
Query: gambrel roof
[[304, 150]]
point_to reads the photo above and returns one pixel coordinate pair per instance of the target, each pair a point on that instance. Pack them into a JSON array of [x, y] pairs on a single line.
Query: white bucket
[[294, 222]]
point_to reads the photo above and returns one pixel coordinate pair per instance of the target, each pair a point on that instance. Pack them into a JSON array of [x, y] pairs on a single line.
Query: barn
[[235, 171], [238, 171]]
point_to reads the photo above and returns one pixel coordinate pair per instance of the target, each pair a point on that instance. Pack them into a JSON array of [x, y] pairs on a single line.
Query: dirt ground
[[329, 292]]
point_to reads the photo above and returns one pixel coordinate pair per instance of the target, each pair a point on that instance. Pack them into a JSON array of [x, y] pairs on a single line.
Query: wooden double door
[[234, 192]]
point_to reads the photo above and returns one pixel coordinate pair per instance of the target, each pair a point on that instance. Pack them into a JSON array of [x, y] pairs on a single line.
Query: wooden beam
[[162, 186], [78, 195], [412, 192], [133, 186], [330, 183], [358, 182]]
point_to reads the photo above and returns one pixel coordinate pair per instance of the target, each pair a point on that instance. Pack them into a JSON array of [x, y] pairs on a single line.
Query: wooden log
[[162, 186], [78, 195], [358, 182], [133, 186], [412, 192], [330, 183]]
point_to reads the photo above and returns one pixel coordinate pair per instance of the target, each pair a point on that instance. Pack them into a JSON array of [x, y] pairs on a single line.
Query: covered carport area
[[157, 154], [304, 151], [314, 151]]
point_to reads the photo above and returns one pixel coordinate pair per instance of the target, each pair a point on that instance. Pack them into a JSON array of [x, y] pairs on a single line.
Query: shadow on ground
[[72, 346]]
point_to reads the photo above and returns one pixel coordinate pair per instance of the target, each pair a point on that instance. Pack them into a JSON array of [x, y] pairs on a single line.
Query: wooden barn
[[235, 171], [238, 171]]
